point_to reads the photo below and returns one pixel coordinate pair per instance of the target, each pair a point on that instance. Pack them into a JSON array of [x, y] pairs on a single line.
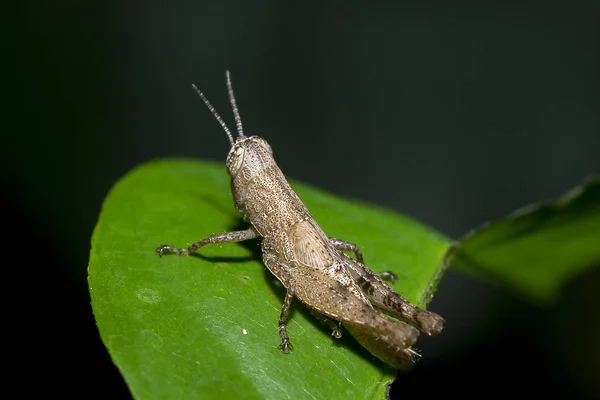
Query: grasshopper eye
[[235, 159]]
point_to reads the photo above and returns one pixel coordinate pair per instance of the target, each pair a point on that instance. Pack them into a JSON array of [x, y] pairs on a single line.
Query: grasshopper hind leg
[[386, 300]]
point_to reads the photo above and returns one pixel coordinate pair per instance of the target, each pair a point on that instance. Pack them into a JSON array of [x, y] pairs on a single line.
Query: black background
[[454, 113]]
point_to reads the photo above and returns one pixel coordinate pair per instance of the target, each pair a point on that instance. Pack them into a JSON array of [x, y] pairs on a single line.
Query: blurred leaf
[[206, 326], [538, 248]]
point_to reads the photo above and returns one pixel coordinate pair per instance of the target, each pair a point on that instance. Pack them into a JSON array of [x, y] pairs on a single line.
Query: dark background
[[454, 113]]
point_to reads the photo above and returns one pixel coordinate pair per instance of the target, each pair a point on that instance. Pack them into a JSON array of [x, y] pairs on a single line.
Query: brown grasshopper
[[310, 265]]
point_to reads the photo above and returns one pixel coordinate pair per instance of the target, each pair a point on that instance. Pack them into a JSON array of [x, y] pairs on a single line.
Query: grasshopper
[[338, 290]]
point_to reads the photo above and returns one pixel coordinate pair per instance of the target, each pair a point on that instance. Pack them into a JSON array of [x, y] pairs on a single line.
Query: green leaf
[[206, 326], [537, 249]]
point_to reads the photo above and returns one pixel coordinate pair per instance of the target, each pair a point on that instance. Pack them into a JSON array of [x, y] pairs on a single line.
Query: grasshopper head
[[251, 154]]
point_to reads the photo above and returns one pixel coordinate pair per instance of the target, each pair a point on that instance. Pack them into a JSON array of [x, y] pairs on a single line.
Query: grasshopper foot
[[286, 346], [336, 333], [388, 276], [165, 248]]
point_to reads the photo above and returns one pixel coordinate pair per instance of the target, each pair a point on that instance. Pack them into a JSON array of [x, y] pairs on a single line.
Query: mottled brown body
[[310, 265]]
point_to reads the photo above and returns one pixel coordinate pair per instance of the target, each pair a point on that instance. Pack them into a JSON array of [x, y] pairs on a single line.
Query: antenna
[[236, 112], [216, 114]]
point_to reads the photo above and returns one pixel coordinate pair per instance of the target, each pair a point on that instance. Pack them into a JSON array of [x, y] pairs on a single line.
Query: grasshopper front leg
[[226, 237]]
